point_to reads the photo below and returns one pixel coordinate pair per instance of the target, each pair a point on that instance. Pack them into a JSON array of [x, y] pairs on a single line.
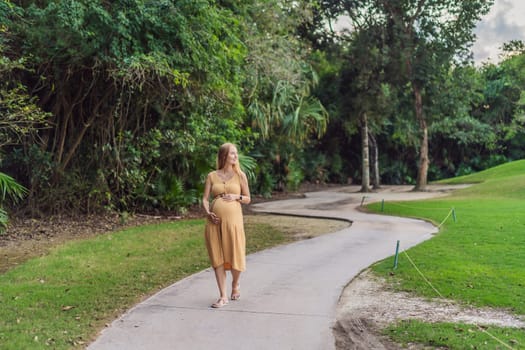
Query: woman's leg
[[220, 276], [236, 286]]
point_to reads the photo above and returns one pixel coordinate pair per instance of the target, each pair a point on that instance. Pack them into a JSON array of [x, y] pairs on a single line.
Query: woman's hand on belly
[[229, 197], [214, 218]]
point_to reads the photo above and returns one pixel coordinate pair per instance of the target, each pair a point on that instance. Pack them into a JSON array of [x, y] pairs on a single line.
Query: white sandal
[[236, 292], [220, 303]]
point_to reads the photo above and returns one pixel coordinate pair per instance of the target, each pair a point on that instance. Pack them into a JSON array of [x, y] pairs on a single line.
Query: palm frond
[[11, 189], [248, 165], [4, 219]]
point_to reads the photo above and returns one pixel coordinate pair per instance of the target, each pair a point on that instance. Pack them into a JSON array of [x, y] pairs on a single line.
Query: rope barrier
[[438, 293], [423, 276], [495, 338], [449, 213], [498, 209], [411, 207]]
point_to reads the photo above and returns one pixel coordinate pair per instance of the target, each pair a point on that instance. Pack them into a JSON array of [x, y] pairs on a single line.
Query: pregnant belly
[[224, 209]]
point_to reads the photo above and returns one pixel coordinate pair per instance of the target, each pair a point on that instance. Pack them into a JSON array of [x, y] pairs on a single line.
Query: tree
[[20, 117], [455, 135], [366, 94], [502, 106], [422, 38], [281, 107], [430, 35], [137, 91], [126, 83]]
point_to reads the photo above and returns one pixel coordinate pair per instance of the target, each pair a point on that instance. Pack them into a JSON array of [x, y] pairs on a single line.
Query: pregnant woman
[[227, 187]]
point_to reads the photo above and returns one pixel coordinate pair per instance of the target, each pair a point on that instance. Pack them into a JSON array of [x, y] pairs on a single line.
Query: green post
[[382, 205], [363, 200], [397, 255], [454, 214]]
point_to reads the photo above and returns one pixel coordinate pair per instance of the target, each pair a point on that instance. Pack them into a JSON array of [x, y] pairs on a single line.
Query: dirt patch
[[367, 305], [298, 227]]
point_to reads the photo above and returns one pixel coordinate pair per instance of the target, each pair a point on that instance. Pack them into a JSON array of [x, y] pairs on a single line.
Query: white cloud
[[504, 22]]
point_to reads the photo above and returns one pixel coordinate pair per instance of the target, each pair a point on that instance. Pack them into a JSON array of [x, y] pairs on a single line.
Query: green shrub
[[295, 176]]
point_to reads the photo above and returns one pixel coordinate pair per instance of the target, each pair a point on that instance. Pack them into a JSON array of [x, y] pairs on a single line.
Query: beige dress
[[225, 241]]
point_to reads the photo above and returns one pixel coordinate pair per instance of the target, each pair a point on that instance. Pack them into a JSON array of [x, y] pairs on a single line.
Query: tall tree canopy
[[424, 38], [115, 105], [430, 36]]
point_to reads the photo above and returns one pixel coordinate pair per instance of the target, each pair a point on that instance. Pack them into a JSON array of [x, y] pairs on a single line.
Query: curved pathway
[[289, 293]]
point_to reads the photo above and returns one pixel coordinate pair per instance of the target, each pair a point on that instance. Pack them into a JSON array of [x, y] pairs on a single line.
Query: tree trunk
[[365, 173], [421, 182], [376, 181]]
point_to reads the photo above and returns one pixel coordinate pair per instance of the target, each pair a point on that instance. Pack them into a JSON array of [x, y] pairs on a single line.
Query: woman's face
[[233, 157]]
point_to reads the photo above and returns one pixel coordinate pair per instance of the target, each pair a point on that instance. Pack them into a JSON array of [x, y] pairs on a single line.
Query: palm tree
[[10, 190]]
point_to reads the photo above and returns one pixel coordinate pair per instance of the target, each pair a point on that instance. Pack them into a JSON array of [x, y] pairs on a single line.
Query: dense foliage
[[139, 95], [121, 105]]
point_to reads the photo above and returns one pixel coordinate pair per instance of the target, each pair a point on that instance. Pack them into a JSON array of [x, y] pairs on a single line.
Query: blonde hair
[[222, 156]]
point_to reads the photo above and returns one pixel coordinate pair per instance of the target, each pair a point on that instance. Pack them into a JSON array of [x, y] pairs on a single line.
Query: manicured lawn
[[478, 260], [456, 336], [62, 300]]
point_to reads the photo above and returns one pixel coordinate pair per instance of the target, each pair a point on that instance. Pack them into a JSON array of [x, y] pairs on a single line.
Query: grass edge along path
[[62, 300], [477, 260]]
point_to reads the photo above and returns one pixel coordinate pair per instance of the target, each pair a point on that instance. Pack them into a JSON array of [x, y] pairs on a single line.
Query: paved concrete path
[[289, 293]]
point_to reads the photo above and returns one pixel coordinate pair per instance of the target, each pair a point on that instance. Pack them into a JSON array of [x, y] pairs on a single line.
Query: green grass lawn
[[62, 300], [478, 260]]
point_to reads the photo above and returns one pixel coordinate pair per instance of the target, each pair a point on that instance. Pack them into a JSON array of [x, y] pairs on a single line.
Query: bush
[[294, 177]]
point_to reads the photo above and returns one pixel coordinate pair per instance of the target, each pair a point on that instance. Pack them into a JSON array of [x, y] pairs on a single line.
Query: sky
[[504, 22]]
